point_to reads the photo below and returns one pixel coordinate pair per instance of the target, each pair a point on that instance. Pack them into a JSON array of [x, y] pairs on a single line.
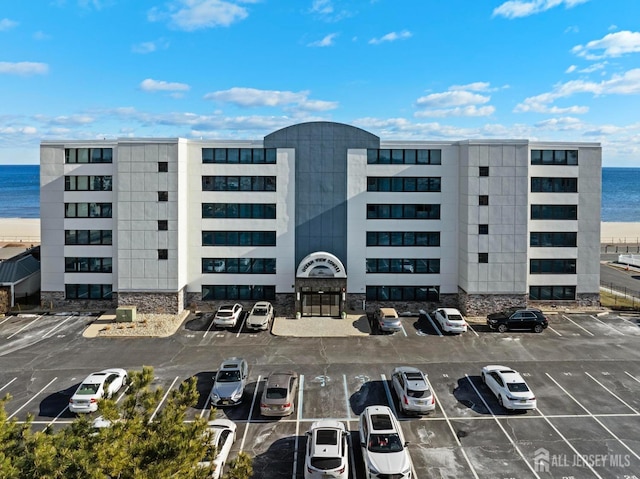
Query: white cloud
[[327, 41], [193, 15], [252, 97], [595, 67], [572, 29], [24, 68], [625, 84], [41, 36], [325, 10], [524, 8], [459, 100], [65, 120], [391, 37], [323, 7], [612, 45], [150, 47], [6, 24], [571, 69], [317, 105], [151, 85]]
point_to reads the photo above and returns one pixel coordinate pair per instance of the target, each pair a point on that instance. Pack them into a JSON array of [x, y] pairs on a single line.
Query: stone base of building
[[5, 299], [482, 304], [154, 303], [283, 304], [56, 300]]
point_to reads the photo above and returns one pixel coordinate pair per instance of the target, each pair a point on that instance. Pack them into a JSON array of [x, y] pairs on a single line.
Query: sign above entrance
[[321, 265]]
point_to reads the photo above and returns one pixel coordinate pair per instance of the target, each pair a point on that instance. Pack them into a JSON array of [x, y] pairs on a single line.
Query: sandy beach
[[27, 230]]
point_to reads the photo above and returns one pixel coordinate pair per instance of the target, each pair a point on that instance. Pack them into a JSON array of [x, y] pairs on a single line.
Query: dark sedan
[[518, 318]]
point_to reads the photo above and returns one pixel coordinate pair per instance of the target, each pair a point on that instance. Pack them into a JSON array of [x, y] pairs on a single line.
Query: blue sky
[[566, 70]]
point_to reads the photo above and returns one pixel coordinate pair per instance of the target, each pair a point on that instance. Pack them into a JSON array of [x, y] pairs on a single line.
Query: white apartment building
[[319, 218]]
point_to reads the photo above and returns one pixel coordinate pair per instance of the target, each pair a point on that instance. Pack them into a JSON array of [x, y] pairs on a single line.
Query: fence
[[626, 296]]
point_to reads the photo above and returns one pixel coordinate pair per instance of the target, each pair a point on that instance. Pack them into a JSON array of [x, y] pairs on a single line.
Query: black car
[[518, 318]]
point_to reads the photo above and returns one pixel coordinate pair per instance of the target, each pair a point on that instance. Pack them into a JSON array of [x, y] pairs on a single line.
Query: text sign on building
[[321, 265]]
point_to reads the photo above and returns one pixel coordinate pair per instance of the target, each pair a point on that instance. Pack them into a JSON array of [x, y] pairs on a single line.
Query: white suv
[[384, 449]]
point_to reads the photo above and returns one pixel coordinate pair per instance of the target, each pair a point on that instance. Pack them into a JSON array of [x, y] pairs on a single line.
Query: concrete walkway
[[352, 325]]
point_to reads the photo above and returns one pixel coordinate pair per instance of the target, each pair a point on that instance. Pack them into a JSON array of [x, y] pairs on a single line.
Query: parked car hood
[[227, 389], [389, 462]]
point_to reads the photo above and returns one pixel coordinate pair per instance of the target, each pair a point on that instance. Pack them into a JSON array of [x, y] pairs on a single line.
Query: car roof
[[262, 304], [231, 363], [100, 376], [389, 311], [450, 311], [380, 418], [280, 378], [507, 374]]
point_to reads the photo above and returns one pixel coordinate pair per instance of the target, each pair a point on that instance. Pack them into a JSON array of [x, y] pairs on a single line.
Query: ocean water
[[20, 193]]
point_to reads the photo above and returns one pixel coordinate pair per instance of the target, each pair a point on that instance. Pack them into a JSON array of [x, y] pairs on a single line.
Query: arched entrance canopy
[[321, 265]]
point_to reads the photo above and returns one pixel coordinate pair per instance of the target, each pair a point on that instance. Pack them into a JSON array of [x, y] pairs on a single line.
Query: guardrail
[[20, 239]]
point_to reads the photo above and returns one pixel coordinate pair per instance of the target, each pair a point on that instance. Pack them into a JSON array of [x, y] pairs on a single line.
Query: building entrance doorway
[[320, 304]]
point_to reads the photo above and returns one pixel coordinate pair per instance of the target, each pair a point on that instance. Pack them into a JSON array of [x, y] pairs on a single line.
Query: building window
[[554, 185], [88, 155], [483, 257], [87, 210], [238, 183], [163, 166], [163, 196], [239, 265], [403, 211], [163, 225], [238, 292], [552, 239], [88, 237], [552, 266], [552, 293], [239, 210], [88, 291], [403, 238], [404, 266], [483, 200], [403, 184], [483, 171], [554, 157], [554, 212], [163, 254], [483, 229], [238, 238], [403, 293], [239, 155], [403, 157], [88, 183], [88, 265]]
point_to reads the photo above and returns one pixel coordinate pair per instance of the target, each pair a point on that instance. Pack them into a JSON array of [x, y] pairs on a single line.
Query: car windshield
[[276, 393], [455, 317], [260, 312], [228, 376], [517, 387], [385, 443], [88, 388], [224, 314]]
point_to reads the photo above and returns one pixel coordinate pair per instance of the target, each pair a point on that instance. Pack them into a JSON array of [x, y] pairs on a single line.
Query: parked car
[[279, 392], [229, 382], [97, 386], [450, 320], [222, 435], [227, 315], [518, 318], [384, 449], [327, 453], [387, 320], [509, 387], [260, 316], [412, 388]]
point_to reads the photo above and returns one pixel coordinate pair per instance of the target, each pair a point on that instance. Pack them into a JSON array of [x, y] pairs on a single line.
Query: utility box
[[125, 314]]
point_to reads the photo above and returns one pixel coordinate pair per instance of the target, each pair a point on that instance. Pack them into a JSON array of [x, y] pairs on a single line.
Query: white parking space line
[[474, 331], [388, 393], [611, 392], [594, 418], [17, 378], [619, 317], [630, 375], [48, 333], [5, 320], [31, 398], [515, 446], [455, 436], [352, 457], [554, 331], [428, 316], [253, 403], [56, 418], [346, 395], [298, 418], [586, 331], [575, 451], [163, 399], [244, 319], [208, 329], [403, 330], [206, 406], [24, 327], [607, 325]]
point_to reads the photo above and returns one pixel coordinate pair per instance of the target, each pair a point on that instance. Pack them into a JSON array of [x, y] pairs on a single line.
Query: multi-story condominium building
[[319, 218]]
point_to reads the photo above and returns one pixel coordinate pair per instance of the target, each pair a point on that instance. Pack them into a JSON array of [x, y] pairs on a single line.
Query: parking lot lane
[[575, 323], [456, 396], [326, 395], [551, 399], [32, 398], [6, 385], [591, 396], [272, 445], [604, 452], [614, 386]]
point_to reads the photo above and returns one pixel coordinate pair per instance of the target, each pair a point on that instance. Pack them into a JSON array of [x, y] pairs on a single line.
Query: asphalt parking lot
[[584, 370]]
